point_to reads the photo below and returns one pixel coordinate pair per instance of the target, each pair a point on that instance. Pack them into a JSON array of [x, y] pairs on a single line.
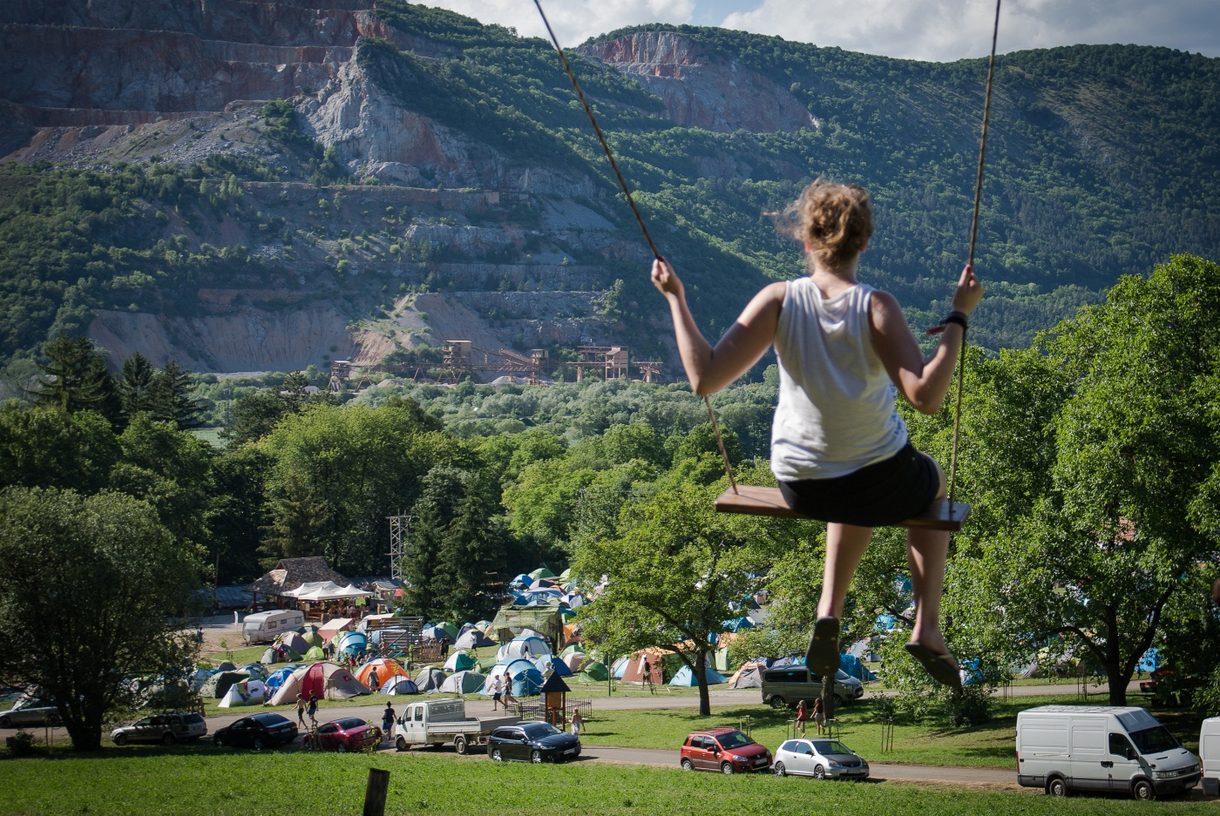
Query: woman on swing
[[839, 448]]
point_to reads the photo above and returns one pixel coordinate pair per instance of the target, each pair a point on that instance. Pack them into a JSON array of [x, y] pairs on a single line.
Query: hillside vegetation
[[1101, 162]]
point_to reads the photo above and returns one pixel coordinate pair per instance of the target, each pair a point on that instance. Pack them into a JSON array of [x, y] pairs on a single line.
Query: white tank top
[[836, 411]]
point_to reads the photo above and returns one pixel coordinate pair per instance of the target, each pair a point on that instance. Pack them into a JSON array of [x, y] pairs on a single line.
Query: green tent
[[450, 629], [315, 653], [595, 671], [542, 572], [566, 575]]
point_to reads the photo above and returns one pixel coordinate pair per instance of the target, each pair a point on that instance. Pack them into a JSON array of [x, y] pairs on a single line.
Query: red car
[[724, 749], [348, 734]]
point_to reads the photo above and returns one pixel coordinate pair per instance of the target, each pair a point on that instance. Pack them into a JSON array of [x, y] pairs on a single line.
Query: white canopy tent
[[326, 591]]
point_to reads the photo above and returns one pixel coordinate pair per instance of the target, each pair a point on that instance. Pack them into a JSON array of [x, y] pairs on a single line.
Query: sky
[[931, 30]]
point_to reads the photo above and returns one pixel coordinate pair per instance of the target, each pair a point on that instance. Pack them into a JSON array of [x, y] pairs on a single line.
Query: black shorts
[[879, 495]]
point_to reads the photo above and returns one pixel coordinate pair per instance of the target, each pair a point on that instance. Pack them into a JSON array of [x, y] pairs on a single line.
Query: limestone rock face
[[701, 91]]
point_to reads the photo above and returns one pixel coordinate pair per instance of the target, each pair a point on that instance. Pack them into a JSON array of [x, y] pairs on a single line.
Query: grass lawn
[[167, 782]]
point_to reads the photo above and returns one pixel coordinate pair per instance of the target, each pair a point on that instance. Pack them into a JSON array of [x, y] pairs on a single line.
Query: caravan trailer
[[265, 627]]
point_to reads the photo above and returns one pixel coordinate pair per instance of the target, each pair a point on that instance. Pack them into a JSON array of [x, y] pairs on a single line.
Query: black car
[[257, 731], [532, 742]]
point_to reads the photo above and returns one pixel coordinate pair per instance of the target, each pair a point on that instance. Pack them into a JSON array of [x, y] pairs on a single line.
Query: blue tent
[[350, 643], [399, 685], [277, 677], [686, 677], [558, 666], [526, 682], [737, 624], [1150, 661], [852, 665]]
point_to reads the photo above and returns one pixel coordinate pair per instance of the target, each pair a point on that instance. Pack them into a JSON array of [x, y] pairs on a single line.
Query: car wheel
[[4, 723], [726, 767], [536, 757], [1143, 791], [1057, 787], [258, 744], [496, 756], [342, 749], [778, 702], [819, 772], [120, 739], [459, 743], [400, 744], [779, 769], [167, 739], [687, 765]]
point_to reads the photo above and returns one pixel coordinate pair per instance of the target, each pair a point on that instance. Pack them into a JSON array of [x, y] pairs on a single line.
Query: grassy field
[[184, 781]]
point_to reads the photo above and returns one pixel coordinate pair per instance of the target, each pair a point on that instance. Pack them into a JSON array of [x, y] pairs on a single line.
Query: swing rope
[[974, 226]]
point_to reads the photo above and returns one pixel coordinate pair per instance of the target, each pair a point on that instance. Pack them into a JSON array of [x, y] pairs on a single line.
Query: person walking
[[301, 710], [508, 690], [312, 709], [802, 715], [387, 721], [647, 678], [497, 691], [819, 715], [578, 723]]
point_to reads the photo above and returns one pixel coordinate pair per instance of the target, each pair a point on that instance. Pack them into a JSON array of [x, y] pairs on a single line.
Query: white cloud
[[941, 30]]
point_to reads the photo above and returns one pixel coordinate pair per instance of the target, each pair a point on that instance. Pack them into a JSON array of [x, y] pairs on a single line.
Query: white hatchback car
[[819, 758]]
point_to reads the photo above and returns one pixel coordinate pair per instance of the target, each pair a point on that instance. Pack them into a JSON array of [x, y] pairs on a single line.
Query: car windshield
[[826, 747], [733, 739], [540, 730], [1154, 740], [350, 723]]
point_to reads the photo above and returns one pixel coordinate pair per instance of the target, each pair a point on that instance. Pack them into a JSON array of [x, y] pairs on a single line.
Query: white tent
[[326, 591], [247, 692]]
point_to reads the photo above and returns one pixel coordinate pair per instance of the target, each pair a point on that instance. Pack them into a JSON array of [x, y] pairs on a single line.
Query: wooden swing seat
[[752, 500]]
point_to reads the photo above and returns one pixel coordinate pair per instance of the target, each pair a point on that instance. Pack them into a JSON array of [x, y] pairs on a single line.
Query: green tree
[[45, 447], [1089, 454], [75, 376], [674, 572], [136, 385], [254, 416], [172, 396], [93, 593]]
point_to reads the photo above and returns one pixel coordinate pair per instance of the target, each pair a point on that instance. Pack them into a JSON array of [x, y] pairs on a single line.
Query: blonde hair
[[834, 220]]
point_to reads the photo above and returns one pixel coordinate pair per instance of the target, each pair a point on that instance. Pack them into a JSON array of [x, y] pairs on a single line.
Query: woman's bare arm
[[924, 383], [708, 368]]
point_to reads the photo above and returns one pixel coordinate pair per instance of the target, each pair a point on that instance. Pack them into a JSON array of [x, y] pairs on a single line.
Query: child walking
[[839, 448]]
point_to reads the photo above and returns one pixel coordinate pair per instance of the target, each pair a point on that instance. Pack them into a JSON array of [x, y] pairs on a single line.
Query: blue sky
[[937, 30]]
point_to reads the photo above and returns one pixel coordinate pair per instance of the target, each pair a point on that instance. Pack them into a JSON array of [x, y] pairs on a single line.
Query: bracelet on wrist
[[953, 317]]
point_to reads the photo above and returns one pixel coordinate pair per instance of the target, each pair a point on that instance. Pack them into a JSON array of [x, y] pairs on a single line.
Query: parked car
[[724, 749], [30, 711], [258, 731], [163, 728], [819, 758], [532, 742], [347, 734], [787, 685]]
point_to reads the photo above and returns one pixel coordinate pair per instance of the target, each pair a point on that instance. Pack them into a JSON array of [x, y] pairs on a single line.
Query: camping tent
[[436, 633], [595, 671], [246, 692], [351, 643], [576, 661], [429, 679], [399, 685], [473, 639], [293, 641], [331, 628], [385, 667], [523, 646], [686, 677], [326, 681], [449, 629], [216, 685], [633, 671], [460, 661], [463, 682], [526, 682], [541, 572], [277, 677], [548, 664], [749, 675]]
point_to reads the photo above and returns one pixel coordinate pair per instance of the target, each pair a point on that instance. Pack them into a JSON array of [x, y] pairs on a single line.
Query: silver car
[[163, 728], [29, 711], [819, 758]]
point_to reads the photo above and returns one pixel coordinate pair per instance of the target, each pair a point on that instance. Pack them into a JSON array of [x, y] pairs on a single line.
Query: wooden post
[[376, 791]]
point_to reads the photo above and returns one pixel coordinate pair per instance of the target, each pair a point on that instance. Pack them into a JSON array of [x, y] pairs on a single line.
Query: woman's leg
[[845, 546], [927, 552]]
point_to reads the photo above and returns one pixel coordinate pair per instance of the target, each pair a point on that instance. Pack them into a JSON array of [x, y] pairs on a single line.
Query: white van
[[1117, 749], [264, 627], [1209, 753]]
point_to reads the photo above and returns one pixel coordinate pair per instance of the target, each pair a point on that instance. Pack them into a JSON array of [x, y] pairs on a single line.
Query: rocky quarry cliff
[[516, 253]]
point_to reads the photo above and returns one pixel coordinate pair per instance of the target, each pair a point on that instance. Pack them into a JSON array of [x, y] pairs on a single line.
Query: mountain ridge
[[401, 152]]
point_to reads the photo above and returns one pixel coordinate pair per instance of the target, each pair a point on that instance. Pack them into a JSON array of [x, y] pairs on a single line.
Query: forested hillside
[[427, 153]]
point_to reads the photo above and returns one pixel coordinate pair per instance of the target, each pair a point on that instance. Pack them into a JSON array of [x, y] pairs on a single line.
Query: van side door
[[1090, 758], [1123, 763]]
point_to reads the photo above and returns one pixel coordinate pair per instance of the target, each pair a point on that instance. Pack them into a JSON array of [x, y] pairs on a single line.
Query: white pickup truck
[[441, 722]]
